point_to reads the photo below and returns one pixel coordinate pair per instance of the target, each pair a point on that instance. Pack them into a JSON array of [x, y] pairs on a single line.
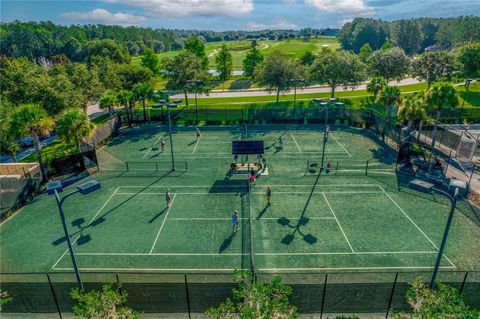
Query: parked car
[[25, 142]]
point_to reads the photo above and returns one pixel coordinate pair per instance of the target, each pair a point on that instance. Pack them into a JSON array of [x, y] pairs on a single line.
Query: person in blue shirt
[[168, 198], [235, 221]]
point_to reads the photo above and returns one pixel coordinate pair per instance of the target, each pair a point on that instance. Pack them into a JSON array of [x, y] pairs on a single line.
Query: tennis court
[[303, 229], [339, 222]]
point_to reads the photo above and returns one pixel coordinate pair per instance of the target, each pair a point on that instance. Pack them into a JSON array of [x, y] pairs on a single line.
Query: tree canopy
[[224, 63], [276, 72], [337, 69], [434, 66], [253, 58], [391, 64]]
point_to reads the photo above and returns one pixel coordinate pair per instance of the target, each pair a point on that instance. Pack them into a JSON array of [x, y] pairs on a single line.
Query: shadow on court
[[158, 215], [262, 212], [78, 222], [226, 243], [302, 221]]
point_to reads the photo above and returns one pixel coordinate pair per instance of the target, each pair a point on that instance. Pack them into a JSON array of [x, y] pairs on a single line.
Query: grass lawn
[[55, 149], [59, 148], [351, 98], [292, 47]]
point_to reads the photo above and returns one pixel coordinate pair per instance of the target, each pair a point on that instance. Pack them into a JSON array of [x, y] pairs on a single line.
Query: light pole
[[453, 200], [330, 102], [169, 106], [467, 87], [197, 83], [55, 187], [295, 81]]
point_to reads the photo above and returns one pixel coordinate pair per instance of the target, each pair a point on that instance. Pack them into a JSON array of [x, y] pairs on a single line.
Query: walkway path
[[317, 89]]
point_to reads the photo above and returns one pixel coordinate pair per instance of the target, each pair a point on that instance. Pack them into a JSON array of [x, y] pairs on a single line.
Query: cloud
[[276, 25], [181, 8], [340, 23], [357, 7], [104, 16]]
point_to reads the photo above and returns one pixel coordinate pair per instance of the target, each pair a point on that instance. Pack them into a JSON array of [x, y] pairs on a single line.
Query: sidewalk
[[308, 90]]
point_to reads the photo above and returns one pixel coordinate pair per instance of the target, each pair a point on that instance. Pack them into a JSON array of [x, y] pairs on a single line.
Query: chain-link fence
[[462, 143], [18, 182], [377, 293]]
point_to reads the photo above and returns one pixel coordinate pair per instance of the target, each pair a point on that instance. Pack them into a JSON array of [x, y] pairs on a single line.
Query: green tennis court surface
[[349, 220]]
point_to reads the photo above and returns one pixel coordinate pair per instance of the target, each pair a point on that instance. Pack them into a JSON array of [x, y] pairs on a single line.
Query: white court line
[[273, 185], [152, 269], [333, 213], [341, 145], [244, 218], [348, 253], [213, 143], [406, 215], [95, 216], [232, 269], [163, 223], [196, 144], [293, 137], [151, 147], [254, 193], [160, 254], [349, 268], [261, 254], [284, 153]]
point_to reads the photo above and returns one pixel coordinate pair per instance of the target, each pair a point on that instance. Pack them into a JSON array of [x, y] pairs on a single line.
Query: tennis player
[[168, 198], [269, 195], [198, 133], [162, 144], [235, 221]]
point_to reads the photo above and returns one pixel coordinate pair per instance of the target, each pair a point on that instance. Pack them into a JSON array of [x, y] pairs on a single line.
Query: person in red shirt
[[327, 168]]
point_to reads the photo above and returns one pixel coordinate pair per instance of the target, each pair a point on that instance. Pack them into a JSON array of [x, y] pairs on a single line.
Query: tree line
[[45, 39], [58, 85], [411, 35], [339, 68]]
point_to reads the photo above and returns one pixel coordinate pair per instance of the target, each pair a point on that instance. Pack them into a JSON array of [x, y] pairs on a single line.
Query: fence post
[[470, 179], [463, 283], [54, 296], [126, 164], [336, 169], [391, 295], [119, 285], [156, 166], [323, 296], [187, 295], [448, 161], [366, 169], [443, 133]]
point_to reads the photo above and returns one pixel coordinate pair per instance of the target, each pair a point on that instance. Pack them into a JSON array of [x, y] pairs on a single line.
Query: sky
[[220, 15]]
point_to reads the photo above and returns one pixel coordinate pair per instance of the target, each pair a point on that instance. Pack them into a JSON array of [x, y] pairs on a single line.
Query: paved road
[[257, 92]]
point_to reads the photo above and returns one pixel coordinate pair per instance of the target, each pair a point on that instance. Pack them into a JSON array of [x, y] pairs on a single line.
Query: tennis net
[[252, 253]]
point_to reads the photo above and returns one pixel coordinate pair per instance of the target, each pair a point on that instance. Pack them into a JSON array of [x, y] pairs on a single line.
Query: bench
[[421, 186], [245, 169]]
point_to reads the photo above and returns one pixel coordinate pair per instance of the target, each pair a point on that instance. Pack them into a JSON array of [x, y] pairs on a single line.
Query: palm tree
[[440, 97], [123, 97], [390, 96], [33, 120], [376, 85], [74, 127], [412, 109], [142, 92], [108, 101]]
